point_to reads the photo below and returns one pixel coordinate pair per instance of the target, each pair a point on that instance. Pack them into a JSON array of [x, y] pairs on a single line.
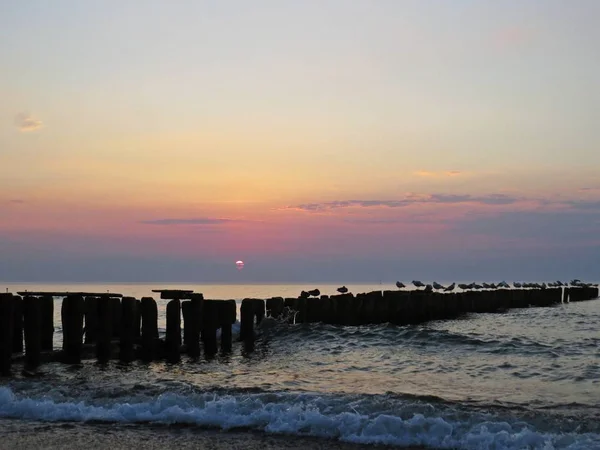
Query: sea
[[522, 379]]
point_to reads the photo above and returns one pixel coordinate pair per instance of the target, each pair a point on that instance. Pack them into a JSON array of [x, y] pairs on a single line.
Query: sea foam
[[285, 414]]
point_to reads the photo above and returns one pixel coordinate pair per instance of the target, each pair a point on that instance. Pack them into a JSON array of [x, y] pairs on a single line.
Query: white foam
[[275, 413]]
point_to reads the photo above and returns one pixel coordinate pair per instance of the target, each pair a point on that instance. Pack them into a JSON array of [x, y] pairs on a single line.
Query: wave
[[305, 415]]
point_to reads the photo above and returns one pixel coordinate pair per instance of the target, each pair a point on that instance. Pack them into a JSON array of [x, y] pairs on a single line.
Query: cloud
[[430, 174], [27, 123], [411, 199], [195, 221]]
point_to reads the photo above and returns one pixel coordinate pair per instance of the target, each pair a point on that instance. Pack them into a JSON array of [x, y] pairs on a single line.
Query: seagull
[[464, 286], [342, 290], [428, 288], [417, 283], [314, 293], [450, 288], [304, 294], [486, 286], [437, 285], [400, 285]]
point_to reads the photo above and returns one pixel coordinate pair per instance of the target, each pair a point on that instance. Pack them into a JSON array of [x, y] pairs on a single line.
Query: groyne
[[109, 326]]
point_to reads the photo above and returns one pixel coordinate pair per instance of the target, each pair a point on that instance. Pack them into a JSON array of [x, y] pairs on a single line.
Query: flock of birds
[[466, 287], [501, 285]]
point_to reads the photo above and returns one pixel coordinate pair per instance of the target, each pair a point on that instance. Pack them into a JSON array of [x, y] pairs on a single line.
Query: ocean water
[[527, 378]]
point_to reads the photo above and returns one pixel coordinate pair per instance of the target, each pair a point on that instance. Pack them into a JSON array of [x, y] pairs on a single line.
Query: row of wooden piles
[[111, 326], [413, 307]]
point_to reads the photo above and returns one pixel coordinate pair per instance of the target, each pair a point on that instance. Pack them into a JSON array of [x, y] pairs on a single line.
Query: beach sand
[[21, 435]]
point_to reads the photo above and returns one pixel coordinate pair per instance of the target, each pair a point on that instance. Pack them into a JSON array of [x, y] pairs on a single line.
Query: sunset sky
[[328, 140]]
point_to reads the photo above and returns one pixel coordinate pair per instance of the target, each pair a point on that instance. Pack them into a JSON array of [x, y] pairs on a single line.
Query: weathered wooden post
[[17, 339], [192, 320], [275, 307], [104, 328], [381, 313], [259, 310], [149, 313], [173, 333], [47, 306], [313, 310], [367, 312], [91, 319], [32, 320], [227, 317], [128, 312], [187, 324], [247, 319], [210, 324], [137, 322], [290, 303], [72, 320], [116, 318], [326, 309], [300, 307], [6, 333]]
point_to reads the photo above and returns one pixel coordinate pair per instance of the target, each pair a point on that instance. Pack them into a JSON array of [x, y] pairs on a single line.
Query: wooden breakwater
[[112, 326]]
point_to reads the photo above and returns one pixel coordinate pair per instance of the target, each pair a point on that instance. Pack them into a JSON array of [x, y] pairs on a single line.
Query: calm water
[[524, 379]]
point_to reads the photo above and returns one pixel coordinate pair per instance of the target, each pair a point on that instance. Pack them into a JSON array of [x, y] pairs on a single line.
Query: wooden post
[[104, 331], [6, 333], [193, 322], [91, 318], [72, 321], [275, 307], [137, 323], [259, 310], [32, 320], [116, 316], [47, 305], [187, 324], [17, 338], [149, 314], [227, 317], [247, 320], [173, 335], [210, 324], [128, 312]]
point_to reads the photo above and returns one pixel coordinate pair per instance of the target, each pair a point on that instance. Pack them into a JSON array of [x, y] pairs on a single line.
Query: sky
[[329, 140]]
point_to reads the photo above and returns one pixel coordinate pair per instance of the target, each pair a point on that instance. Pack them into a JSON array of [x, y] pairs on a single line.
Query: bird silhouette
[[400, 285], [417, 283], [342, 290], [437, 286], [429, 288], [450, 288], [314, 293]]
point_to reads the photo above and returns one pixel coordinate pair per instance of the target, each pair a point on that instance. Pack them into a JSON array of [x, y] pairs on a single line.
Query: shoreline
[[30, 435]]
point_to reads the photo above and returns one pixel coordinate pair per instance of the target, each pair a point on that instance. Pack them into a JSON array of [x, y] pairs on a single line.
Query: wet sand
[[21, 435]]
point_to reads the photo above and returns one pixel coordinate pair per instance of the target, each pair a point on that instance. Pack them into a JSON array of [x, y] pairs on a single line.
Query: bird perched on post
[[314, 293], [437, 286], [417, 283], [400, 285], [450, 288], [342, 290]]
